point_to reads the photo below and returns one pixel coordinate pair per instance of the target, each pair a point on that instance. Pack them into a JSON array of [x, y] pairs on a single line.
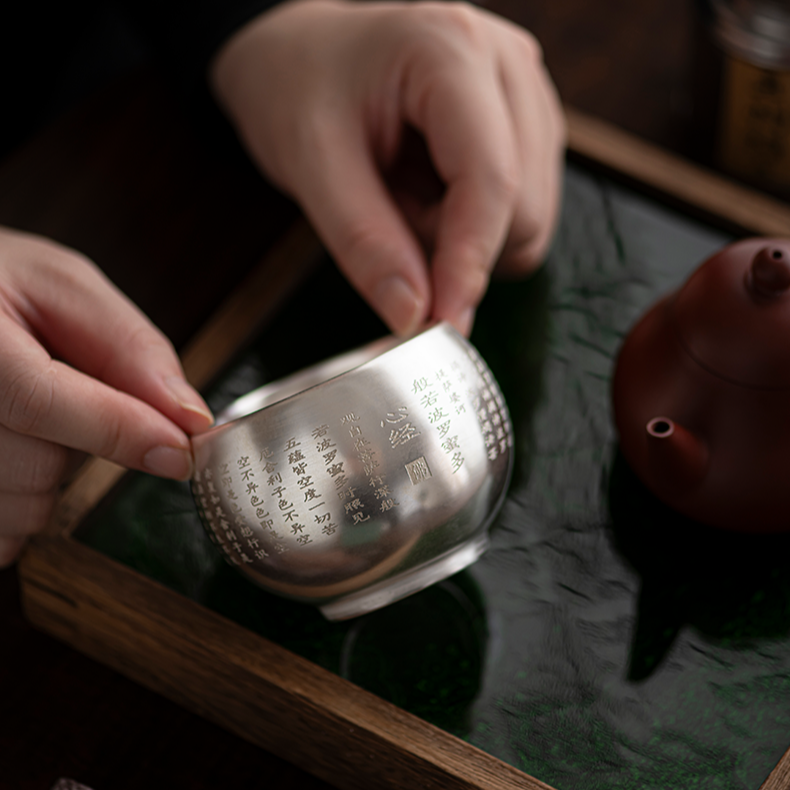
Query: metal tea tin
[[752, 102]]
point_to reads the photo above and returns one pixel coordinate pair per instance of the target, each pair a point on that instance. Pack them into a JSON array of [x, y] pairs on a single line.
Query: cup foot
[[406, 583]]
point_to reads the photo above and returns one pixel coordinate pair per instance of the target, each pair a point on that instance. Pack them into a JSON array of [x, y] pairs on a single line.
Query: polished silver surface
[[362, 480]]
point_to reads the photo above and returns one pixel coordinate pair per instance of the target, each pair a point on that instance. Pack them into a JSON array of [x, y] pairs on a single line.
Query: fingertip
[[399, 304], [461, 276], [175, 463], [194, 414], [461, 320], [524, 259], [465, 321]]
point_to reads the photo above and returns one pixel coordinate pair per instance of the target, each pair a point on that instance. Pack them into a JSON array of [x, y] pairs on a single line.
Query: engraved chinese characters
[[374, 478]]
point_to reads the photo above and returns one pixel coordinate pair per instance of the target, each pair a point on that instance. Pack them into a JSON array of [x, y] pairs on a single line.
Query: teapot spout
[[678, 459]]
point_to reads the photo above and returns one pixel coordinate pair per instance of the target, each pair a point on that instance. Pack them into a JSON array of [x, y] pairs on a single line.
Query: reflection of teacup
[[440, 681], [362, 480]]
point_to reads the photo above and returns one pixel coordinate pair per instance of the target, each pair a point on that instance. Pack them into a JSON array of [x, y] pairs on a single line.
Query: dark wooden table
[[173, 203]]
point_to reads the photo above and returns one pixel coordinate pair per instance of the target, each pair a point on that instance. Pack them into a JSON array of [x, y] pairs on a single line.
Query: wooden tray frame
[[254, 688]]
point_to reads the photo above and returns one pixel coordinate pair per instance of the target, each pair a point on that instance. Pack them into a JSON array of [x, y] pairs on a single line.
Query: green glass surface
[[603, 641]]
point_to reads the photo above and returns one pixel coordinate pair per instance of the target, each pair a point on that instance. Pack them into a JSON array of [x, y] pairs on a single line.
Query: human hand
[[81, 371], [423, 140]]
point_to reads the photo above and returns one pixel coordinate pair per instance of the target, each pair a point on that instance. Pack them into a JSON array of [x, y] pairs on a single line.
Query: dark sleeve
[[187, 33]]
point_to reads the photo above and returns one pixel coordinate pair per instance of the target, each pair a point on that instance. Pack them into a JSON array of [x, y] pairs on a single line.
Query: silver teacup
[[362, 480]]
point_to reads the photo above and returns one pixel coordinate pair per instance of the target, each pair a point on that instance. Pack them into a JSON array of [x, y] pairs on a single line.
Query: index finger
[[83, 319], [50, 400], [463, 115]]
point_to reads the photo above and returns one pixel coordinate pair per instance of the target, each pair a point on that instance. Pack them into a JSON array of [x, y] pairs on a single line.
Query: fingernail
[[173, 462], [465, 322], [399, 305], [188, 398]]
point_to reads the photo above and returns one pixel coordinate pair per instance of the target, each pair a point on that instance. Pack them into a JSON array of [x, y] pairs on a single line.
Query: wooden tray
[[249, 685]]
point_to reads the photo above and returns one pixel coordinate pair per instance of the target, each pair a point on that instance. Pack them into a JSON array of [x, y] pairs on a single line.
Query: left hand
[[423, 140], [82, 370]]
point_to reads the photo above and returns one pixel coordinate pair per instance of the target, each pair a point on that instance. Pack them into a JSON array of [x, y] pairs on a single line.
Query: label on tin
[[754, 122]]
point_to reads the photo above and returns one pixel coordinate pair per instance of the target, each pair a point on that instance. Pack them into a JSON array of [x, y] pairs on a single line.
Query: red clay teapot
[[701, 391]]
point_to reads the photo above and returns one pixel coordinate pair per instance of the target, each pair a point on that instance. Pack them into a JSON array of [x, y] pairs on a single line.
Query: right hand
[[82, 370], [424, 141]]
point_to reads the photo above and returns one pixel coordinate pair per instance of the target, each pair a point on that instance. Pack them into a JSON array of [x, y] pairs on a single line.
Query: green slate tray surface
[[603, 641]]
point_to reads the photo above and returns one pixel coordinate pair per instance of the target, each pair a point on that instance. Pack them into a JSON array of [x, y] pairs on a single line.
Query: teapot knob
[[769, 273]]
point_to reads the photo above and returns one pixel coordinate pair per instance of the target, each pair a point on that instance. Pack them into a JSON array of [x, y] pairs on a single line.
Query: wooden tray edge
[[243, 682], [705, 193]]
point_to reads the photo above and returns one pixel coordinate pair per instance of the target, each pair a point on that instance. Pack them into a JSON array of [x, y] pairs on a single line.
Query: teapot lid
[[733, 313]]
